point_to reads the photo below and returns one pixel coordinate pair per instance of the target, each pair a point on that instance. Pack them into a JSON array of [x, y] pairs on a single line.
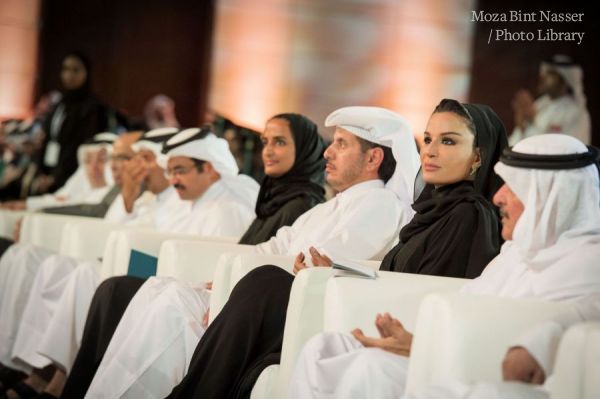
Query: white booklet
[[347, 268]]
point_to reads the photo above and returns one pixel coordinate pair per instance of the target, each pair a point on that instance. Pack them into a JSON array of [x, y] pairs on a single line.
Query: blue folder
[[141, 265]]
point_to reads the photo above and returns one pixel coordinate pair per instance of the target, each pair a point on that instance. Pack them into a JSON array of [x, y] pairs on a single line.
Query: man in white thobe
[[561, 107], [32, 297], [551, 221], [20, 263], [50, 304], [58, 339], [222, 205], [89, 184], [361, 222], [203, 170]]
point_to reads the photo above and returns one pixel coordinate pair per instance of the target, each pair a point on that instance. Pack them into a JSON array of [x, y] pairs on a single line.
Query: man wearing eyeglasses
[[121, 151], [201, 193], [202, 170]]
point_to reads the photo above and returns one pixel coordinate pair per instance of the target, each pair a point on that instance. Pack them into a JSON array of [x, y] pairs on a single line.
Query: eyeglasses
[[88, 161], [179, 171], [120, 157]]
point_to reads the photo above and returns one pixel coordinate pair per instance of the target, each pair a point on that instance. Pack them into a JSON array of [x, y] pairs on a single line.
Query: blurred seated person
[[89, 184], [19, 145], [159, 112], [560, 107]]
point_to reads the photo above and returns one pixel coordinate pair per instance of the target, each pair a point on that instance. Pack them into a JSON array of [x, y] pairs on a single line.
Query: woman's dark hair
[[449, 105], [388, 165]]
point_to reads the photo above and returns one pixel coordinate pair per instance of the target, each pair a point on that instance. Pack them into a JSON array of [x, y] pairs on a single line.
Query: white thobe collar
[[351, 191]]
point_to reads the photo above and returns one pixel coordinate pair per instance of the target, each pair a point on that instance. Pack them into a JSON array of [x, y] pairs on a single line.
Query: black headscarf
[[84, 116], [305, 178], [491, 139], [85, 90], [435, 204]]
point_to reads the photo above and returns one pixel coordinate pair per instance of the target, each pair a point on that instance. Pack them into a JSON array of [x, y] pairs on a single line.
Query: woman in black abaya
[[452, 233], [77, 117]]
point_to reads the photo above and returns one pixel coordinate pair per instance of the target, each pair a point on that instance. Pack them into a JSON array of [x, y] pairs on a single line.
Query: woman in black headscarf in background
[[454, 233], [294, 167], [286, 194], [77, 117]]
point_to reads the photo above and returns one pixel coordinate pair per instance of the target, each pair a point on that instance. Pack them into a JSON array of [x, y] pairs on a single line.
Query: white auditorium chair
[[320, 302], [120, 244], [465, 337], [86, 239], [79, 237], [45, 230], [8, 220], [577, 364], [194, 261], [221, 286], [224, 263], [232, 267], [304, 318], [354, 302]]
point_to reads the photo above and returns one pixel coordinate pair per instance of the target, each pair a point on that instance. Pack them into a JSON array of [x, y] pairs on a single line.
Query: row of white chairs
[[457, 336]]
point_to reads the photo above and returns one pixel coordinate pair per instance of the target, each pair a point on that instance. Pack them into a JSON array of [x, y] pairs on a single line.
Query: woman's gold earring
[[474, 168]]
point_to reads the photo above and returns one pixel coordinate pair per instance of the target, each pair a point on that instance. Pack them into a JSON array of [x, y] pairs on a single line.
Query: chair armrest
[[354, 302], [8, 220], [86, 239], [303, 320], [465, 337], [265, 385], [143, 240], [577, 364], [194, 261], [45, 230], [305, 315], [232, 267], [221, 284]]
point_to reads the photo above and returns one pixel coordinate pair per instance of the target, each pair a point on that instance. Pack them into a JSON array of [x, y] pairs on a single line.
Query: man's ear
[[207, 167], [375, 157]]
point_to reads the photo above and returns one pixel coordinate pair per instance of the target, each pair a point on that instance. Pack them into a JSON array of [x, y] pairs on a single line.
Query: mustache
[[179, 186], [503, 213]]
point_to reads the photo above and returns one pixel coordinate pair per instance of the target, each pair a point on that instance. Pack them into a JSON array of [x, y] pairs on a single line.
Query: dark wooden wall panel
[[138, 48]]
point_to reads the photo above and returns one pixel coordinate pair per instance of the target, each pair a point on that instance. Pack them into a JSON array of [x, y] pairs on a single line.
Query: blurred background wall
[[19, 32], [316, 56], [250, 59]]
